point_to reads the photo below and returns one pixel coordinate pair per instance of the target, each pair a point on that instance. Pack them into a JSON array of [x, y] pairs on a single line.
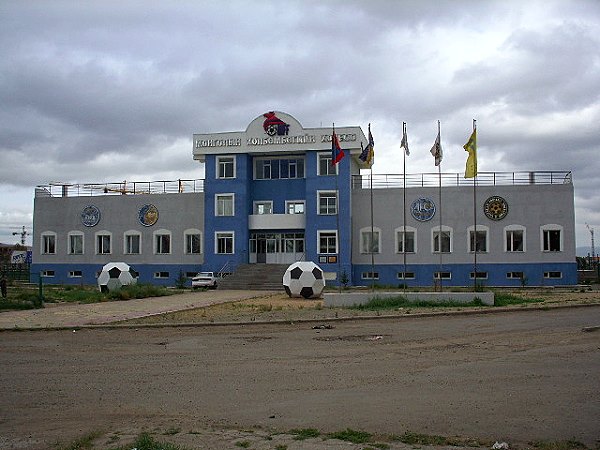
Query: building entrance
[[276, 248]]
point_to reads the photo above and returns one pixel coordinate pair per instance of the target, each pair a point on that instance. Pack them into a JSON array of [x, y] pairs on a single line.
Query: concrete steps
[[259, 277]]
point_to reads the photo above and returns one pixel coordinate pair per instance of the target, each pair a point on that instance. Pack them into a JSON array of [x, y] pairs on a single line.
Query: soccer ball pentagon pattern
[[115, 275], [304, 279]]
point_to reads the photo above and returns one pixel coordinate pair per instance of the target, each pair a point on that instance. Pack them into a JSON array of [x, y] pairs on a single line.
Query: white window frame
[[437, 273], [225, 235], [445, 228], [45, 238], [552, 227], [369, 276], [331, 168], [337, 243], [159, 275], [403, 275], [126, 236], [186, 244], [258, 203], [485, 277], [155, 243], [366, 231], [327, 194], [548, 275], [73, 274], [480, 228], [404, 230], [293, 203], [48, 273], [218, 160], [73, 234], [511, 275], [510, 229], [220, 200], [103, 233]]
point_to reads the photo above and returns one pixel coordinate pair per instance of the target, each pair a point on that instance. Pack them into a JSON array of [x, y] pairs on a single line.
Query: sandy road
[[515, 376]]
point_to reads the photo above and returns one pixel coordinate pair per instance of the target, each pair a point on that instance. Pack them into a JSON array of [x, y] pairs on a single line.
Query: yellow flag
[[471, 147]]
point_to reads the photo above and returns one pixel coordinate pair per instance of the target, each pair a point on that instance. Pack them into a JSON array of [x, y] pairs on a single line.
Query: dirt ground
[[516, 377]]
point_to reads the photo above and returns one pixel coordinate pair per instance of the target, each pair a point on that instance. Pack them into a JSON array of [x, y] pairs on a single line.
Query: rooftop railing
[[458, 179], [57, 189]]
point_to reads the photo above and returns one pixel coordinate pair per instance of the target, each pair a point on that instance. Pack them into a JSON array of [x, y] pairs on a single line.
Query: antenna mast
[[591, 230]]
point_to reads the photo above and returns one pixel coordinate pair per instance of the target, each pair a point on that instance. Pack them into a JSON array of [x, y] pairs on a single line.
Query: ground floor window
[[406, 275], [276, 248], [161, 275], [515, 275], [327, 242], [442, 275], [553, 275], [370, 276], [75, 274], [224, 242], [47, 273], [480, 275]]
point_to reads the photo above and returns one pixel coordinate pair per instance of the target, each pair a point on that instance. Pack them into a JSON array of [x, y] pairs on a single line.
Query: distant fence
[[458, 179], [123, 188]]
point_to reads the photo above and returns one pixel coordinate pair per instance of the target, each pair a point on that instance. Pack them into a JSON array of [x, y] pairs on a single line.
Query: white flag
[[436, 150], [404, 143]]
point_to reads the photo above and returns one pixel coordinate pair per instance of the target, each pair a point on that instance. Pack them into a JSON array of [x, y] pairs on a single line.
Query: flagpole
[[337, 219], [475, 222], [440, 198], [372, 243], [404, 208]]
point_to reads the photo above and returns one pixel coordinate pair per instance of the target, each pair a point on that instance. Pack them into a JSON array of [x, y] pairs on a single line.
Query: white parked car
[[204, 280]]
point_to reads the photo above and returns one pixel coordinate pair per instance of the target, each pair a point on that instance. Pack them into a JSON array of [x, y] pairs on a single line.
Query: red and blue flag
[[336, 151]]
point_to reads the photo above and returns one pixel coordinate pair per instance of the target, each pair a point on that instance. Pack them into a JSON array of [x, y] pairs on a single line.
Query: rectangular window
[[327, 202], [325, 166], [406, 275], [515, 275], [480, 275], [132, 244], [294, 207], [551, 241], [224, 205], [161, 275], [225, 167], [263, 207], [47, 273], [444, 237], [369, 275], [406, 240], [478, 241], [327, 242], [224, 243], [552, 275], [48, 244], [192, 244], [278, 168], [442, 275], [76, 244], [75, 274], [103, 244], [163, 244], [369, 243], [514, 240]]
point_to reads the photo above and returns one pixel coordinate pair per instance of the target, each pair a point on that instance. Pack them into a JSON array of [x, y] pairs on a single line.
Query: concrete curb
[[483, 311]]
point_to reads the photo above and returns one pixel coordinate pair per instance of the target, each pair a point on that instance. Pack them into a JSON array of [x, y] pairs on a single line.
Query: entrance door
[[261, 250]]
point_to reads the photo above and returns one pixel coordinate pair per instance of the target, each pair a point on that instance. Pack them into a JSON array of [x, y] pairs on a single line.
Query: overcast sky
[[108, 91]]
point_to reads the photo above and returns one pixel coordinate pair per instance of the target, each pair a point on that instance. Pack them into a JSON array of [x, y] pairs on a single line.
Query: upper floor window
[[441, 240], [75, 242], [406, 239], [327, 201], [162, 242], [48, 243], [224, 204], [514, 238], [552, 238], [370, 241], [103, 243], [278, 168], [224, 242], [478, 239], [294, 207], [132, 243], [225, 167], [263, 207], [193, 242], [325, 167]]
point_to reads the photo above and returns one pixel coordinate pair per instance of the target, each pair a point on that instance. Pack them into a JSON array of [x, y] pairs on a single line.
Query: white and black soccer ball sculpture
[[115, 275], [304, 279]]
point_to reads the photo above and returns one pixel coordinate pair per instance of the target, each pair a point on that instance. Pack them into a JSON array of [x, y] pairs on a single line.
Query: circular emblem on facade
[[148, 215], [495, 208], [422, 209], [90, 216]]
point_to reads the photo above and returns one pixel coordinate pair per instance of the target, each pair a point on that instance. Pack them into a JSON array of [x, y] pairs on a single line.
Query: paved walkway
[[76, 315]]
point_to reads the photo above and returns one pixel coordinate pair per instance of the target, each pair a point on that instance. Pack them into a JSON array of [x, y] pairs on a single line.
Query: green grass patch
[[146, 442], [85, 442], [505, 299], [378, 303], [243, 444], [350, 435], [16, 304], [411, 438], [301, 434]]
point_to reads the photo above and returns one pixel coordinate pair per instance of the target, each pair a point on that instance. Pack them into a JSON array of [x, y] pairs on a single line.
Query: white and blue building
[[270, 195]]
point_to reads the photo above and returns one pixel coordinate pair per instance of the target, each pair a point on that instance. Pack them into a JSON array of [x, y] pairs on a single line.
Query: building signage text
[[272, 140]]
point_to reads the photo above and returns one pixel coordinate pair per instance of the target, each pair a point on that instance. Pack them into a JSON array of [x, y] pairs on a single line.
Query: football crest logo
[[274, 126]]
